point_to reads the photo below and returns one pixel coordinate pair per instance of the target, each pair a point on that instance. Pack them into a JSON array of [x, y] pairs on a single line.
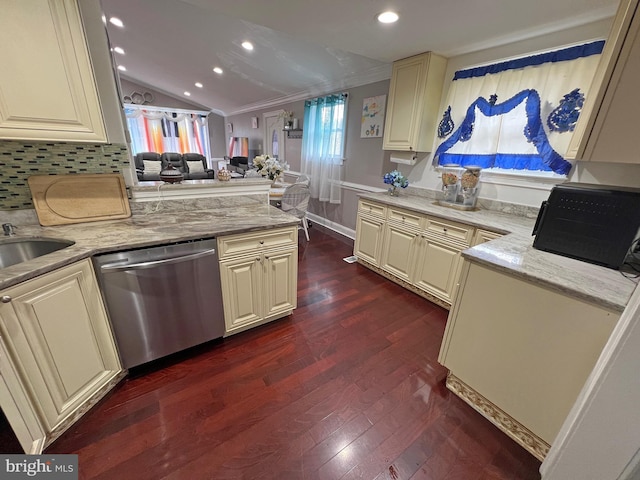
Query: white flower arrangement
[[270, 167]]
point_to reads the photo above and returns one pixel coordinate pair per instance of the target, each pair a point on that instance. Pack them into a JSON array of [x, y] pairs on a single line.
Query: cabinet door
[[369, 236], [406, 93], [414, 99], [606, 130], [398, 251], [437, 268], [17, 406], [58, 331], [242, 291], [47, 89], [280, 282]]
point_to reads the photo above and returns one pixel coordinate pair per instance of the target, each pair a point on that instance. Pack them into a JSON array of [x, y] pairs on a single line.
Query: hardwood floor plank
[[348, 386]]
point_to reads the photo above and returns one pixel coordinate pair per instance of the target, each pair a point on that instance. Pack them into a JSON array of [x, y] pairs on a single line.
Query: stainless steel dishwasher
[[162, 299]]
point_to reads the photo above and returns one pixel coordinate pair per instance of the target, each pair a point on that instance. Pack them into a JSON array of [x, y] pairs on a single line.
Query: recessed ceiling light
[[104, 19], [116, 21], [218, 70], [188, 94], [198, 84], [122, 68], [119, 50], [247, 45], [388, 17]]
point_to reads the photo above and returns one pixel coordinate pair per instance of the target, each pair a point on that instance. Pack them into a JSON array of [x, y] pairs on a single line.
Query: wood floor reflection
[[348, 387]]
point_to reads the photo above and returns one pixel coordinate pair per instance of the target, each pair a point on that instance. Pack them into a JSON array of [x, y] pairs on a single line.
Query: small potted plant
[[395, 179]]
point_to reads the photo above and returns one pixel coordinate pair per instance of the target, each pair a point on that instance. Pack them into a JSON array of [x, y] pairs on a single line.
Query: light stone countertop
[[152, 228], [515, 255]]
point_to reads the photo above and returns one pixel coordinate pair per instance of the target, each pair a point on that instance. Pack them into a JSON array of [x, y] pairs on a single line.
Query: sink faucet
[[9, 229]]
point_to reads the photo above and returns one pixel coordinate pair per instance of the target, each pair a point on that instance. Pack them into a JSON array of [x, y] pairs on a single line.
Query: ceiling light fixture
[[116, 21], [388, 17], [122, 68], [119, 50], [247, 45], [218, 70], [188, 94], [199, 85]]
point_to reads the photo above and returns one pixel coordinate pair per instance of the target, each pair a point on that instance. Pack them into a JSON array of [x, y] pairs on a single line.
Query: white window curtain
[[167, 130], [323, 143], [517, 115]]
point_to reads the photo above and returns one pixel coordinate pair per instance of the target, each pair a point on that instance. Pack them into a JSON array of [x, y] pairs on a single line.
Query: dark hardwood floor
[[347, 387]]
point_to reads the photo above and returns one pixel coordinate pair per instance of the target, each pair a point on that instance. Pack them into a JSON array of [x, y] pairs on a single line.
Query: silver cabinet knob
[[5, 299]]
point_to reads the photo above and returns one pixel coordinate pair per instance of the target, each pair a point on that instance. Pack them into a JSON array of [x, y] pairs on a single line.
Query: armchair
[[175, 159], [196, 167], [148, 166]]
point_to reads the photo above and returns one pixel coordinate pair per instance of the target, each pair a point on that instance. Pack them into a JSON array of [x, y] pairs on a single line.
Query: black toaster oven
[[593, 223]]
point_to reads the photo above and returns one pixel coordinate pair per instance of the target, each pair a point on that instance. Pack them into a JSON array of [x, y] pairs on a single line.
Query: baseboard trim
[[336, 227], [505, 422]]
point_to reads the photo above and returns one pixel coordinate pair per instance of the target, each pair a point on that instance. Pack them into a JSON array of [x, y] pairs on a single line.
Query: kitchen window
[[159, 129], [517, 116]]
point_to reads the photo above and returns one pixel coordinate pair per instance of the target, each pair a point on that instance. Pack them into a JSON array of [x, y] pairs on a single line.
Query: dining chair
[[303, 179], [295, 200]]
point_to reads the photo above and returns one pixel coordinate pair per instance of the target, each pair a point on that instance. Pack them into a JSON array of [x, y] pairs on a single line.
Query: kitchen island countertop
[[141, 231], [514, 253]]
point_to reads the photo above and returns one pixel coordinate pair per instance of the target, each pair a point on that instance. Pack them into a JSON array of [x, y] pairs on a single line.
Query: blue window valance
[[566, 54]]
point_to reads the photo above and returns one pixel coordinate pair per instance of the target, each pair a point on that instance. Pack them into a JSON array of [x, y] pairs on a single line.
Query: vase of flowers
[[270, 167], [395, 179]]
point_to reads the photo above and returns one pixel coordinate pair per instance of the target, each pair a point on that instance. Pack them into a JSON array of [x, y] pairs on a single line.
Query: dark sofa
[[192, 165]]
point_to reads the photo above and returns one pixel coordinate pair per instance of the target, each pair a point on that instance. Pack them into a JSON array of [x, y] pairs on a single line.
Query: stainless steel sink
[[13, 251]]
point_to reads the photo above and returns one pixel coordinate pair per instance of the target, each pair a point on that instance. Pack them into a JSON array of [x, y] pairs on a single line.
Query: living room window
[[160, 130]]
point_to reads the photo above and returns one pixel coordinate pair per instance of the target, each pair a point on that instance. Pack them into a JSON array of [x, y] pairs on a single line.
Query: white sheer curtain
[[167, 130], [323, 145]]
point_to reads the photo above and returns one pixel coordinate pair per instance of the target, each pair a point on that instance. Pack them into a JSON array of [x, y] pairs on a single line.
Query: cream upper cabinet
[[258, 272], [47, 85], [607, 128], [414, 98], [59, 343]]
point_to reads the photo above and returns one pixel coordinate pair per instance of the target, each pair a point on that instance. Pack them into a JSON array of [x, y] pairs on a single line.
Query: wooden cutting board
[[78, 198]]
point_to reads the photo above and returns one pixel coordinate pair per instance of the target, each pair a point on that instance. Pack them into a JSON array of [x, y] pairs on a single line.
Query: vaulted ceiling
[[308, 47]]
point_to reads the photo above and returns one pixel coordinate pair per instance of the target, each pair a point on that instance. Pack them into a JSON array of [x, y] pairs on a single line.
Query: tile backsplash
[[21, 159]]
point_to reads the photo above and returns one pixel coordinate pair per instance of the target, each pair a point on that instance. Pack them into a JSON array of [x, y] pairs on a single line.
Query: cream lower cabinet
[[438, 268], [482, 236], [47, 86], [258, 273], [519, 353], [418, 251], [59, 352], [369, 231]]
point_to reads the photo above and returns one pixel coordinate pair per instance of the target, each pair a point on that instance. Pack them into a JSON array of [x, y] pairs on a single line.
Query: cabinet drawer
[[483, 236], [371, 208], [255, 242], [447, 229], [404, 217]]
